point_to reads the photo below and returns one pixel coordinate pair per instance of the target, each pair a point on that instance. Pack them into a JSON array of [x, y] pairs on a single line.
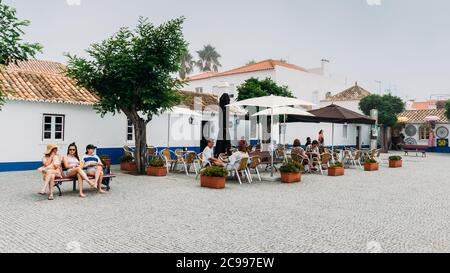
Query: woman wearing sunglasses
[[74, 168]]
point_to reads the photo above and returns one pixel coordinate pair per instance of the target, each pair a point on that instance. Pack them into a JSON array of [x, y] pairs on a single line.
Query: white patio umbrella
[[284, 110], [272, 102], [178, 111]]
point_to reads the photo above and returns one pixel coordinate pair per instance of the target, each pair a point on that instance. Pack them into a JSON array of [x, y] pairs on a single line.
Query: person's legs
[[46, 182], [51, 185], [99, 180], [80, 185]]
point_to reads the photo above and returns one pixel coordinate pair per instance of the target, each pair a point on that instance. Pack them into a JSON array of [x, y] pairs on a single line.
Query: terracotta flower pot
[[370, 167], [395, 163], [107, 162], [156, 171], [212, 182], [128, 166], [335, 171], [291, 177]]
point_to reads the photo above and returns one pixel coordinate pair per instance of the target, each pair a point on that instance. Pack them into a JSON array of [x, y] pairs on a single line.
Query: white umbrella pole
[[168, 132], [271, 142]]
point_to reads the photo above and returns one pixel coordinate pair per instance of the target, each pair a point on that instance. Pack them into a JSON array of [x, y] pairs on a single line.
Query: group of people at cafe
[[72, 166], [313, 149]]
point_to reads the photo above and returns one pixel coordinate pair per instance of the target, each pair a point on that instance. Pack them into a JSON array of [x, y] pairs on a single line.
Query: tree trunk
[[140, 137], [385, 139]]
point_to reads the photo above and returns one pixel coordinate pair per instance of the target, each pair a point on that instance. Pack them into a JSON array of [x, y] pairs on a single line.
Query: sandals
[[41, 193], [50, 198]]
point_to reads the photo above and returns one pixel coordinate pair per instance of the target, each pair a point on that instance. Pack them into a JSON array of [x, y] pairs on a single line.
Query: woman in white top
[[74, 167]]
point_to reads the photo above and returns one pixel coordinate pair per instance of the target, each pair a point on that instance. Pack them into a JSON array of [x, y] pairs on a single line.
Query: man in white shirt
[[208, 154]]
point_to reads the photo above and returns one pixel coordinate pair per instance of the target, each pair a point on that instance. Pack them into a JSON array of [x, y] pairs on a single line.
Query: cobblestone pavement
[[393, 210]]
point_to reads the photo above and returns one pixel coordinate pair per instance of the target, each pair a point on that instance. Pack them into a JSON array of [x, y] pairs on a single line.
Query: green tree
[[208, 59], [254, 87], [187, 65], [388, 107], [12, 47], [447, 108], [133, 72]]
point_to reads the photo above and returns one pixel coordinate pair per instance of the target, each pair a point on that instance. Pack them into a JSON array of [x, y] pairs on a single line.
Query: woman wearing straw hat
[[51, 169]]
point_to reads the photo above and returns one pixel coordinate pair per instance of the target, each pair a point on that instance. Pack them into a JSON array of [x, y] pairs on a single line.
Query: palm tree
[[208, 59], [187, 65]]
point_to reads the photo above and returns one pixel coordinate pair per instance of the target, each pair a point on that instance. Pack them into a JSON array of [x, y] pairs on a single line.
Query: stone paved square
[[393, 210]]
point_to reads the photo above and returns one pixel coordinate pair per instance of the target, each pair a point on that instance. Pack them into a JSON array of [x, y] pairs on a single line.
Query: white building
[[307, 84], [316, 85], [43, 106], [348, 98], [416, 129]]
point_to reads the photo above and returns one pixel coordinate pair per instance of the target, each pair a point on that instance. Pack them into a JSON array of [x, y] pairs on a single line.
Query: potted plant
[[291, 172], [157, 167], [127, 163], [213, 177], [336, 169], [106, 160], [371, 165], [395, 161]]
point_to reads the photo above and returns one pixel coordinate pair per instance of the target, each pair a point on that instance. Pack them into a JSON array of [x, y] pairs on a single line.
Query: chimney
[[325, 67], [327, 95]]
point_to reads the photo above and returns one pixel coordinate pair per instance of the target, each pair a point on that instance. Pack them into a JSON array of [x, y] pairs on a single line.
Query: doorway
[[204, 134]]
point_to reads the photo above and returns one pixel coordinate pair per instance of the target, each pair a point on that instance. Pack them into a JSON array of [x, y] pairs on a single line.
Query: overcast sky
[[403, 43]]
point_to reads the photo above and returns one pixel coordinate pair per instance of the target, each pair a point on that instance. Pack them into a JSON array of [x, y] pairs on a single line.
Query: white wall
[[349, 104], [211, 85], [303, 130], [21, 122], [303, 84], [416, 137]]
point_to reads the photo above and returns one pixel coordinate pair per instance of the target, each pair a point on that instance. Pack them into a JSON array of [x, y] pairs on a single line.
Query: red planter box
[[370, 167], [212, 182], [156, 171], [291, 177], [395, 163], [337, 171], [128, 166]]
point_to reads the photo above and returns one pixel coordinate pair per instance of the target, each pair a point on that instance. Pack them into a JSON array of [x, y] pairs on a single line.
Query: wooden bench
[[74, 180], [415, 149]]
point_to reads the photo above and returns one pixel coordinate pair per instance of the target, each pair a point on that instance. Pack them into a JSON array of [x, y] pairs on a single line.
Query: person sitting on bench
[[74, 168], [51, 169], [94, 166]]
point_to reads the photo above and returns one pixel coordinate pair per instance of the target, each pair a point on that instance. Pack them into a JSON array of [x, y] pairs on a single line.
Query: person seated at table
[[94, 166], [74, 167], [313, 149], [51, 169], [308, 142], [235, 159], [298, 150], [208, 154]]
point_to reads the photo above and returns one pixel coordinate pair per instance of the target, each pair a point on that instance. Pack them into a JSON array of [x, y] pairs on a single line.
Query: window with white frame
[[345, 131], [53, 127], [130, 130]]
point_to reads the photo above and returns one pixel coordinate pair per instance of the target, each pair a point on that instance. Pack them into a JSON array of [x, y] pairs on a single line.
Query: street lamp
[[379, 86]]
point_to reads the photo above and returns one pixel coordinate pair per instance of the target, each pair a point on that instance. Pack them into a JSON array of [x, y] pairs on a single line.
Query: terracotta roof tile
[[418, 116], [36, 80], [355, 92], [260, 66]]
